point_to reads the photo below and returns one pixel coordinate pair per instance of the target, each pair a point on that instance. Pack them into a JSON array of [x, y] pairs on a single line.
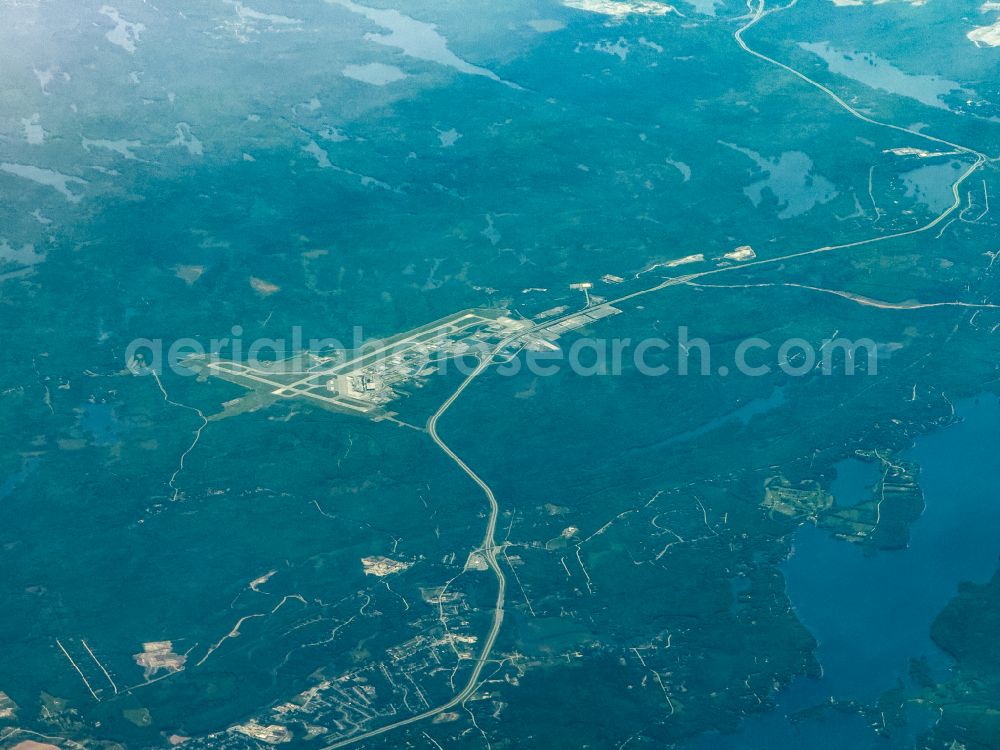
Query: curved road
[[489, 546], [489, 549]]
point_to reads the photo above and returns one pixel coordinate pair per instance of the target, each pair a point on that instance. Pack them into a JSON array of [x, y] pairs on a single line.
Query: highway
[[489, 547], [489, 550]]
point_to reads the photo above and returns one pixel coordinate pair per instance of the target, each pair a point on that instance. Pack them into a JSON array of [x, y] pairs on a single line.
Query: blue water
[[10, 483], [871, 614], [854, 481], [741, 415], [101, 423]]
